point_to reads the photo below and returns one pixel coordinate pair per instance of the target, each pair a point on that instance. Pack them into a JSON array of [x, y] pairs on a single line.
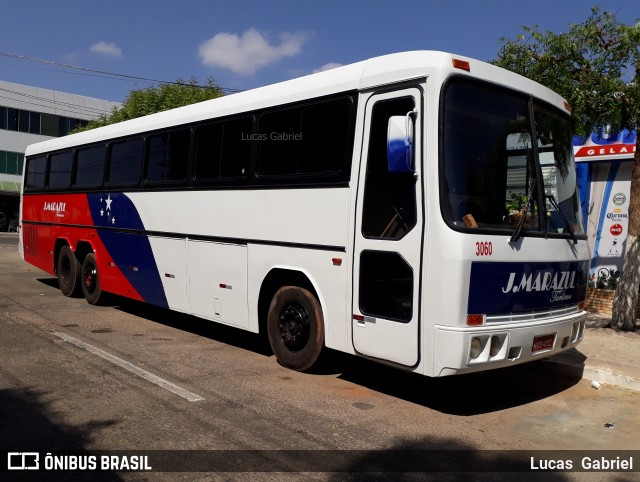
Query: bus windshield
[[490, 169]]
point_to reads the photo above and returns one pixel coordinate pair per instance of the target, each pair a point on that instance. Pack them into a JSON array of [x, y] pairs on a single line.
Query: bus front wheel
[[90, 280], [295, 326], [67, 269]]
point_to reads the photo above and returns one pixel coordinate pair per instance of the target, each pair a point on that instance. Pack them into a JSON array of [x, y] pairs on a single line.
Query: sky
[[244, 44]]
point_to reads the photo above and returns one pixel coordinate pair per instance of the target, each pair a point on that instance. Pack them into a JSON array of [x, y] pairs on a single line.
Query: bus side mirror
[[400, 133]]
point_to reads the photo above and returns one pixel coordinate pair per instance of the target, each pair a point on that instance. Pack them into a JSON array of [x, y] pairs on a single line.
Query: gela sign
[[606, 150]]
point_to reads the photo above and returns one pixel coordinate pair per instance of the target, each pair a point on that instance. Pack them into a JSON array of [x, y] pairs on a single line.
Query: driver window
[[389, 205]]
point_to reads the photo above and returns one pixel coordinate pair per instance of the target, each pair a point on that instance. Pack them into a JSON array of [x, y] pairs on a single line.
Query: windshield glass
[[490, 169], [558, 171]]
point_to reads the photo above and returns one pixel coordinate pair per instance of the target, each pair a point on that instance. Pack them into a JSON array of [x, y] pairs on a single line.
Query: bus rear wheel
[[90, 280], [67, 269], [295, 326]]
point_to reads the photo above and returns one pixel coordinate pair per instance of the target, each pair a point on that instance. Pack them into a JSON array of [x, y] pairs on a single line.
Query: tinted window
[[310, 139], [236, 147], [60, 170], [23, 121], [325, 134], [125, 162], [208, 149], [11, 162], [223, 149], [279, 137], [168, 156], [90, 167], [36, 167], [50, 125], [389, 208], [12, 119], [34, 122], [386, 286]]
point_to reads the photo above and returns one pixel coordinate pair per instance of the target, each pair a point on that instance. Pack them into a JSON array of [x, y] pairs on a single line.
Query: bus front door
[[388, 237]]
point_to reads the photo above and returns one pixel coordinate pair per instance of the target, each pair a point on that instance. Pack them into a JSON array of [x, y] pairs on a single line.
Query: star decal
[[106, 210]]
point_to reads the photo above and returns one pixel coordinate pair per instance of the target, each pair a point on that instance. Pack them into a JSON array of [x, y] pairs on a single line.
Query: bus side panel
[[38, 247], [217, 276], [50, 212], [328, 277], [50, 217], [135, 267], [171, 258]]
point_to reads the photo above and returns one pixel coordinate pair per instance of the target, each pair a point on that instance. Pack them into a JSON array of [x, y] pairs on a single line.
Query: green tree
[[595, 66], [157, 98]]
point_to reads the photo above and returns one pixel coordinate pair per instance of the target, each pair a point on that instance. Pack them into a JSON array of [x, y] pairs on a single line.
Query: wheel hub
[[89, 278], [294, 326]]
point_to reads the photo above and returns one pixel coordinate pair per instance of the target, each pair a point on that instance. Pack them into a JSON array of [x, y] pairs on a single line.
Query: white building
[[32, 114]]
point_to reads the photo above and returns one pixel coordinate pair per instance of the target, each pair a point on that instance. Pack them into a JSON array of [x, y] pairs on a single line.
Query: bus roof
[[378, 71]]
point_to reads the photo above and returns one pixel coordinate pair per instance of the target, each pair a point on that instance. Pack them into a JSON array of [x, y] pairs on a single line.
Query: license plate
[[544, 342]]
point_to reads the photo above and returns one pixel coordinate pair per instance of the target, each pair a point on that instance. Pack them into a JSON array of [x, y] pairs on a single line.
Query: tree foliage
[[158, 98], [595, 66]]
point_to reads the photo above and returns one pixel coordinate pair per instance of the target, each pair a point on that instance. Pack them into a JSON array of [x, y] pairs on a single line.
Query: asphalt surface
[[131, 377]]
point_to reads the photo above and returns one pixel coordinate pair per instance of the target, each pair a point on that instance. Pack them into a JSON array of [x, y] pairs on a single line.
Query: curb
[[600, 373]]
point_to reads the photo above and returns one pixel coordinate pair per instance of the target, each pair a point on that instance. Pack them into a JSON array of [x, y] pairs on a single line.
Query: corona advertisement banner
[[608, 155]]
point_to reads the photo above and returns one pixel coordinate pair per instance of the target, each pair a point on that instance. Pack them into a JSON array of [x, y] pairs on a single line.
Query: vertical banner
[[608, 254]]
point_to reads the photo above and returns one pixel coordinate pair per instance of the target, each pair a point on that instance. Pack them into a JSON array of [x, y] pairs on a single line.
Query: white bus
[[419, 209]]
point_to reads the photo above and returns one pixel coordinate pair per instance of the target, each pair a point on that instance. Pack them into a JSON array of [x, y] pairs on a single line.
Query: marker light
[[567, 106], [475, 320], [581, 306], [461, 64]]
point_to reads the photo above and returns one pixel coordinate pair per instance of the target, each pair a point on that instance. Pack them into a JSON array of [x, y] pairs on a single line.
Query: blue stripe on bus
[[131, 252], [499, 288]]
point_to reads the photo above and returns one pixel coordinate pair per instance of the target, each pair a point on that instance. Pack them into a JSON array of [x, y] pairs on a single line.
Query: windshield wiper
[[554, 203], [518, 232]]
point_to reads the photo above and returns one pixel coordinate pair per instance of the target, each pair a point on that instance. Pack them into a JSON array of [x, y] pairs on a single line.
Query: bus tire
[[295, 326], [68, 270], [90, 280]]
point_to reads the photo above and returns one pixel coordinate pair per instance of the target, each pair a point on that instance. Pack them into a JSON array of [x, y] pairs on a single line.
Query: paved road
[[128, 376]]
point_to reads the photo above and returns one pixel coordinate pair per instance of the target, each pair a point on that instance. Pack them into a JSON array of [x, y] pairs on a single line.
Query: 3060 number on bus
[[484, 248]]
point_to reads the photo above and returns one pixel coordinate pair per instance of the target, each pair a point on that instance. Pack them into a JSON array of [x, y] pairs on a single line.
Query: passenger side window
[[125, 162], [223, 149], [168, 156], [90, 167], [60, 167], [36, 169], [305, 140], [279, 142], [325, 134]]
